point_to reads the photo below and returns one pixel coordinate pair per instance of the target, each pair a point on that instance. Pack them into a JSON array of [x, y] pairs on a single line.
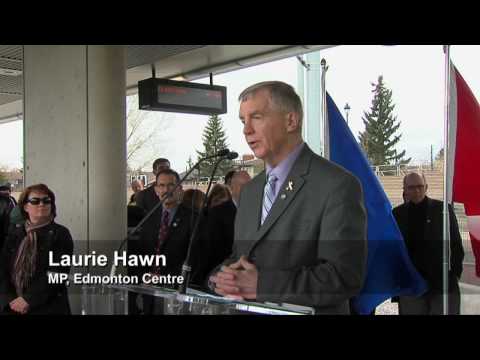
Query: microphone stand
[[160, 203], [186, 267]]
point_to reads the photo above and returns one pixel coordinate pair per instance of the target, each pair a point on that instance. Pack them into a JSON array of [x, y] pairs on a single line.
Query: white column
[[75, 138]]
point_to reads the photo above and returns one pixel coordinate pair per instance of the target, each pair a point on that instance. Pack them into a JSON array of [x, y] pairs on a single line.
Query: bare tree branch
[[144, 134]]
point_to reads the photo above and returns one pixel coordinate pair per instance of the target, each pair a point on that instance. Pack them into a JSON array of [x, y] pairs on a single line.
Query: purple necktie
[[162, 234]]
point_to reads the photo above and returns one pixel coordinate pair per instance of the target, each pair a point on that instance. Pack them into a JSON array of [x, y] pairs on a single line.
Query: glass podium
[[114, 299]]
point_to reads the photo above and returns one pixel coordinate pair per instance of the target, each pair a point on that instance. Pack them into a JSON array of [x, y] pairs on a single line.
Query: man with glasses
[[420, 220], [168, 233], [147, 199]]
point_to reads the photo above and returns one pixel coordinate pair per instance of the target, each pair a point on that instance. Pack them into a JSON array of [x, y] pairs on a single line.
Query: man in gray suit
[[300, 230]]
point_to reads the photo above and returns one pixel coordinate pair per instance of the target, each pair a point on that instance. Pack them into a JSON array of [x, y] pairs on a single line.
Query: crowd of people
[[296, 233], [168, 230]]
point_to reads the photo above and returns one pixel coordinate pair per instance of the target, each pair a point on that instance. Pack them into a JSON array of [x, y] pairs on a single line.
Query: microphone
[[221, 154], [186, 267], [224, 152], [232, 155]]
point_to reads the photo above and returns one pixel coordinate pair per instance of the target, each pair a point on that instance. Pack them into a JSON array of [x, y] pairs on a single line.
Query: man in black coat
[[168, 233], [221, 221], [147, 199], [420, 220], [7, 203]]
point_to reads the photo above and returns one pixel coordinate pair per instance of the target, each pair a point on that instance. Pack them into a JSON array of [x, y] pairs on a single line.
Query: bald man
[[421, 222], [137, 186]]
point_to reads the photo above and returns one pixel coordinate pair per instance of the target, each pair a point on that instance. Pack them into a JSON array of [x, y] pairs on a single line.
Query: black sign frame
[[148, 97]]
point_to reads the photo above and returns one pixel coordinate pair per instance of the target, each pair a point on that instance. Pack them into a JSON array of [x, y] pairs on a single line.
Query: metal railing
[[400, 170]]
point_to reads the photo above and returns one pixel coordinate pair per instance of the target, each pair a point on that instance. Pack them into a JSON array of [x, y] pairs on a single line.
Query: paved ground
[[469, 276], [387, 308]]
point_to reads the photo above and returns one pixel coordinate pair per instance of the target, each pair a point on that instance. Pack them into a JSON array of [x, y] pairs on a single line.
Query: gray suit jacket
[[311, 249]]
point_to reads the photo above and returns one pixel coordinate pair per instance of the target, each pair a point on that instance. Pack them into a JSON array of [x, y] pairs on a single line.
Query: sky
[[415, 74]]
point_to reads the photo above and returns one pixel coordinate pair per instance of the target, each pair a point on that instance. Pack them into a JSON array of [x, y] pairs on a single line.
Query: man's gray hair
[[282, 96]]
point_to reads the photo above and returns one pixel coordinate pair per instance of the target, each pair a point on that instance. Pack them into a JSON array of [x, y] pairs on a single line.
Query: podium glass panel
[[113, 300]]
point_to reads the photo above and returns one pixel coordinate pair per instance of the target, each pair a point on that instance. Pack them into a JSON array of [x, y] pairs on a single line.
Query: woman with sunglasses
[[24, 260]]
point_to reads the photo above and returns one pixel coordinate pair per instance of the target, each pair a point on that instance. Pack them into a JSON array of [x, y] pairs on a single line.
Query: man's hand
[[247, 279], [225, 280], [237, 281], [19, 305]]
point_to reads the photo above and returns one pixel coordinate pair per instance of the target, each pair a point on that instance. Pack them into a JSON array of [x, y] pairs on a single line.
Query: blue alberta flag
[[390, 271]]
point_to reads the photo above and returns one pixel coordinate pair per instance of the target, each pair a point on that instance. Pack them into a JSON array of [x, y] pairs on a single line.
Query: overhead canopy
[[186, 62]]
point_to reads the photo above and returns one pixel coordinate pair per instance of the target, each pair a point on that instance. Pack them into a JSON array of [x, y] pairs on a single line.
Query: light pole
[[347, 111]]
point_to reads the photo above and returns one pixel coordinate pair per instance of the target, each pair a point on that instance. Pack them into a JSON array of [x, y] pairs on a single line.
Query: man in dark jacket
[[420, 220], [221, 221], [147, 199], [168, 233], [7, 203]]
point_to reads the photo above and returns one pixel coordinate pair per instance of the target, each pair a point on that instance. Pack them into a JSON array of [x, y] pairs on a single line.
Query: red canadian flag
[[463, 167]]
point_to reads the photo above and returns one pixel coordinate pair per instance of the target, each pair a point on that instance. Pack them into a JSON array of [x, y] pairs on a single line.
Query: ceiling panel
[[189, 61], [146, 54]]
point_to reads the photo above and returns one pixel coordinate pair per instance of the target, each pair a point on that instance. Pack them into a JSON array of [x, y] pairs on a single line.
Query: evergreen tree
[[379, 138], [214, 140], [189, 163], [3, 174]]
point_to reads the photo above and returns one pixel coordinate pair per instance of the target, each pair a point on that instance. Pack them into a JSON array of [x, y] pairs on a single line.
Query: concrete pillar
[[75, 138]]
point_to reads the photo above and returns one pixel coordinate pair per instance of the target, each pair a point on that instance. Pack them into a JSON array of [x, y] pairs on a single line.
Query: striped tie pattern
[[268, 196]]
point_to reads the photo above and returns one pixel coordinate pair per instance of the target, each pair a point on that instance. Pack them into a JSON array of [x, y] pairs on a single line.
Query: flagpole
[[446, 195], [326, 137]]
